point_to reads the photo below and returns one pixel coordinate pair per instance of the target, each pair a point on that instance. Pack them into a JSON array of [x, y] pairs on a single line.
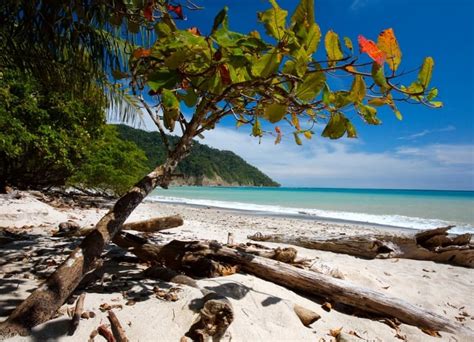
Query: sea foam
[[385, 220]]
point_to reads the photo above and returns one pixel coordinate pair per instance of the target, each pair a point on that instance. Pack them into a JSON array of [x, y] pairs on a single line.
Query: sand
[[263, 310]]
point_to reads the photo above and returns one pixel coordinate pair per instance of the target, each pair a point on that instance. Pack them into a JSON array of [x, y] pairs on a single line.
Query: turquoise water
[[417, 209]]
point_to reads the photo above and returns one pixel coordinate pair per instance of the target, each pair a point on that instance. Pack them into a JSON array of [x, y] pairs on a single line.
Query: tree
[[252, 79], [44, 134], [112, 165]]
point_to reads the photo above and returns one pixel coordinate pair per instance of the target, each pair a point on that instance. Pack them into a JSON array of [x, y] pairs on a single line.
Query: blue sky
[[429, 149]]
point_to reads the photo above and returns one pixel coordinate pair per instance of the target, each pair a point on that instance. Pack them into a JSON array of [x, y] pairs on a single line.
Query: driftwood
[[306, 316], [117, 328], [433, 245], [312, 283], [153, 225], [77, 313]]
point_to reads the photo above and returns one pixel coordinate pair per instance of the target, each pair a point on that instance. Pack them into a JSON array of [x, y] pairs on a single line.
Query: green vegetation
[[202, 162], [113, 164], [44, 134]]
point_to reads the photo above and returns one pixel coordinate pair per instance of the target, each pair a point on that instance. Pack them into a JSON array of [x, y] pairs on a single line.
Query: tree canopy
[[273, 78]]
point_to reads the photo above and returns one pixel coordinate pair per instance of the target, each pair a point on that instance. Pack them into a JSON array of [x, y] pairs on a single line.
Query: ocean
[[415, 209]]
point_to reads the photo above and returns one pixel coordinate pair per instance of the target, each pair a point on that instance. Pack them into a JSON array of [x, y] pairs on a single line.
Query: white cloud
[[426, 132], [344, 163]]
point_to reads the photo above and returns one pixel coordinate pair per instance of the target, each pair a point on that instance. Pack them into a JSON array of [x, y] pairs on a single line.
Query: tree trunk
[[433, 245], [42, 304]]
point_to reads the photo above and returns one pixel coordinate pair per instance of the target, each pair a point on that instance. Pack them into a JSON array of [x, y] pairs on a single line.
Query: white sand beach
[[263, 310]]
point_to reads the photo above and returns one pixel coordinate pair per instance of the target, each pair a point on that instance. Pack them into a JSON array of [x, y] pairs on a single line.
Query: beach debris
[[327, 306], [106, 333], [77, 313], [215, 317], [170, 295], [88, 314], [306, 316], [117, 328], [433, 245], [106, 307], [335, 332], [230, 239], [93, 334], [431, 332]]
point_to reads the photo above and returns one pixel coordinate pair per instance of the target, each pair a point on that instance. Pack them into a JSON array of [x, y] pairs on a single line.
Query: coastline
[[263, 310], [300, 216]]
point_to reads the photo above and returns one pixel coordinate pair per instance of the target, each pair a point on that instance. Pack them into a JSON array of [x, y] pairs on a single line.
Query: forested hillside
[[204, 165]]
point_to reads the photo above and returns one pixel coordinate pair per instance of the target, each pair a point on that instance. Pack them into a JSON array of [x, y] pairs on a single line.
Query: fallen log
[[152, 225], [313, 283], [432, 245], [155, 224]]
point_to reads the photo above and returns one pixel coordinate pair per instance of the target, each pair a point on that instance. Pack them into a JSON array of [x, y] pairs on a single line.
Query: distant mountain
[[204, 166]]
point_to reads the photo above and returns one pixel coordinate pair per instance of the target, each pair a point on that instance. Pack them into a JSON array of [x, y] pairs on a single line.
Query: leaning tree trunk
[[43, 303]]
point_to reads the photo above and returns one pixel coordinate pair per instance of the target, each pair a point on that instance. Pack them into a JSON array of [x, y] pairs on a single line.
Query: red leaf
[[225, 75], [141, 52], [371, 49], [148, 12], [194, 30], [178, 9]]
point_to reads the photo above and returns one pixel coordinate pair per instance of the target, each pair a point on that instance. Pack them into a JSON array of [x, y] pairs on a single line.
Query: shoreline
[[299, 216]]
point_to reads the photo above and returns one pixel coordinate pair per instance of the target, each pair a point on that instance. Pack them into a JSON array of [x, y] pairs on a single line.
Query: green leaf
[[309, 38], [170, 106], [220, 19], [341, 98], [398, 114], [162, 29], [379, 101], [379, 76], [432, 94], [190, 99], [227, 38], [176, 59], [304, 12], [312, 84], [275, 112], [162, 79], [369, 114], [358, 89], [336, 126], [274, 20], [424, 76], [351, 131], [437, 104], [326, 95], [257, 129], [297, 139], [333, 48], [267, 64], [348, 43]]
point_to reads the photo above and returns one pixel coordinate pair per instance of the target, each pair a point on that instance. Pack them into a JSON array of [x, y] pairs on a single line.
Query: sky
[[428, 149]]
